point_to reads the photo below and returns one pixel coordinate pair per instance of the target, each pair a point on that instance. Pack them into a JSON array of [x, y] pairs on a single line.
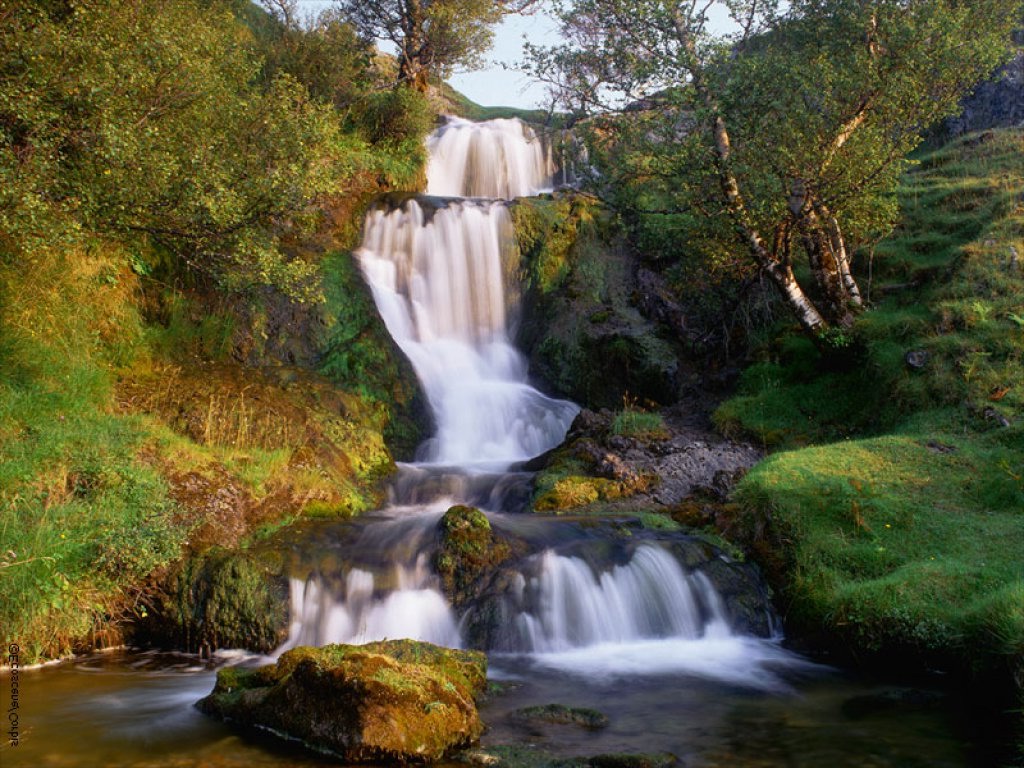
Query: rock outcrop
[[397, 701]]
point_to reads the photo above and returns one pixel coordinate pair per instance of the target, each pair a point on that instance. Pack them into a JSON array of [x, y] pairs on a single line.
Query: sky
[[494, 85]]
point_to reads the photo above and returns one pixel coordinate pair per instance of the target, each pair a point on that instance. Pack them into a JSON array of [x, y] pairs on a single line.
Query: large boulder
[[394, 701]]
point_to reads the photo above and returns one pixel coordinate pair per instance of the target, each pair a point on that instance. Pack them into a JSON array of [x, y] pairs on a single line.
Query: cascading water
[[647, 598], [439, 269], [497, 159], [438, 279], [438, 275], [584, 621]]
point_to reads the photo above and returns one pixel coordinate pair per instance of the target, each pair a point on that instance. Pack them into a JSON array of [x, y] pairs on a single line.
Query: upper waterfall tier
[[438, 279], [498, 159]]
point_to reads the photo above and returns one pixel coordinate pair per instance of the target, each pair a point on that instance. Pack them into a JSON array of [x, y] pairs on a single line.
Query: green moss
[[560, 714], [469, 549], [358, 354], [227, 599], [901, 532], [578, 314], [896, 544]]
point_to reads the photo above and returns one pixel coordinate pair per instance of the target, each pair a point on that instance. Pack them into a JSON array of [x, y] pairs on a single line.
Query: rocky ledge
[[653, 461], [398, 701]]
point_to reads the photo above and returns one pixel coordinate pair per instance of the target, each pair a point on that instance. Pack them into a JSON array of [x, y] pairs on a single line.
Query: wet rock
[[469, 548], [396, 701], [221, 599], [663, 469], [580, 310], [744, 593], [560, 714]]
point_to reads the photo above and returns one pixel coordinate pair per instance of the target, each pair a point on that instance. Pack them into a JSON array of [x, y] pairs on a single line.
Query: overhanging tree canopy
[[789, 131]]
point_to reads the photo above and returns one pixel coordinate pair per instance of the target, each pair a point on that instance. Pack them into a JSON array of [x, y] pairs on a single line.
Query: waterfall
[[360, 602], [649, 597], [497, 159], [439, 269], [438, 276], [355, 613]]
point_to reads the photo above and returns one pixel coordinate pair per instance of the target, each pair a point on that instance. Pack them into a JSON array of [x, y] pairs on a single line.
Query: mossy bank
[[890, 515]]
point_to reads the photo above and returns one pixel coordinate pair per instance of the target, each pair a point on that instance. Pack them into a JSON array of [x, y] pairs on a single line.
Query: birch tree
[[789, 128]]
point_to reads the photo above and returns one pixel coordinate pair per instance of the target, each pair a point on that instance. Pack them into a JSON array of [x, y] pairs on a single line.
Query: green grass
[[117, 431], [640, 425], [897, 502], [82, 517]]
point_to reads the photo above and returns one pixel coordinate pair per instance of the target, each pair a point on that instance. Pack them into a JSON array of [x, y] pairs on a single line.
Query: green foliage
[[902, 529], [433, 37], [324, 54], [952, 299], [161, 121], [783, 142], [151, 119], [82, 517], [357, 353], [397, 116], [164, 168], [639, 424]]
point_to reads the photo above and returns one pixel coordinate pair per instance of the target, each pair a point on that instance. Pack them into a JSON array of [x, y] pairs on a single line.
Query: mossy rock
[[469, 549], [222, 599], [578, 311], [397, 701]]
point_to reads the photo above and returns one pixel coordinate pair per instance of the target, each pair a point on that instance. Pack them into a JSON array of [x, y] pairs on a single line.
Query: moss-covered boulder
[[395, 701], [469, 549]]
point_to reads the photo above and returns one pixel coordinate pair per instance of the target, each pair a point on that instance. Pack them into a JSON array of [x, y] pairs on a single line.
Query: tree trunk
[[842, 257], [825, 268], [781, 273], [412, 72]]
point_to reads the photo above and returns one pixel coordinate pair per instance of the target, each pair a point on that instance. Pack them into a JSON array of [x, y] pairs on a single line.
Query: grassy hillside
[[892, 512]]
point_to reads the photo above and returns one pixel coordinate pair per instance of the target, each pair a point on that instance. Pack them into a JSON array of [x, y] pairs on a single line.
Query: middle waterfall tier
[[439, 278]]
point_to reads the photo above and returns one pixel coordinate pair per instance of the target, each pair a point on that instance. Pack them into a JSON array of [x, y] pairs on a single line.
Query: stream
[[628, 622]]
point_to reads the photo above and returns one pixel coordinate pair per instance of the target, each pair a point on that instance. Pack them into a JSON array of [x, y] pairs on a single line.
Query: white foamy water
[[414, 608], [439, 280], [648, 597], [499, 159], [747, 662]]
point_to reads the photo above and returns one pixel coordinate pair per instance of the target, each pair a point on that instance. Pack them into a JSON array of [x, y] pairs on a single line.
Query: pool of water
[[136, 709]]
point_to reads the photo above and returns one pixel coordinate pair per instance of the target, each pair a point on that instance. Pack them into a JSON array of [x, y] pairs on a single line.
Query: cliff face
[[998, 103]]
